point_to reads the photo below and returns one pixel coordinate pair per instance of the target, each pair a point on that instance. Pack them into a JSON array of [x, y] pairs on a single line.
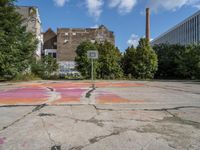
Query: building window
[[65, 41], [54, 55], [92, 41]]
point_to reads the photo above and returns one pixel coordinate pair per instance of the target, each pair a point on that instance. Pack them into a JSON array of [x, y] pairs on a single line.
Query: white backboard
[[93, 54]]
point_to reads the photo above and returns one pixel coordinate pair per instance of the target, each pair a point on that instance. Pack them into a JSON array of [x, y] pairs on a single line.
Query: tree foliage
[[83, 63], [45, 68], [178, 62], [106, 67], [109, 61], [140, 62], [16, 45]]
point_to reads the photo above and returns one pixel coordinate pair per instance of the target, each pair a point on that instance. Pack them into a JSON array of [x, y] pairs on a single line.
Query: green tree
[[140, 63], [16, 45], [129, 61], [178, 62], [106, 67], [169, 58], [109, 61], [83, 63], [45, 68]]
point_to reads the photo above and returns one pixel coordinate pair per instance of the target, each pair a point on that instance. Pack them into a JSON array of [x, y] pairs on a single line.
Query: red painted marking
[[126, 85], [2, 140], [36, 93], [109, 98], [69, 85], [23, 96], [69, 95]]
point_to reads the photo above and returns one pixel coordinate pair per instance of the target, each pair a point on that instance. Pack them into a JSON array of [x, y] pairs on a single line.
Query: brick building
[[66, 41], [50, 43]]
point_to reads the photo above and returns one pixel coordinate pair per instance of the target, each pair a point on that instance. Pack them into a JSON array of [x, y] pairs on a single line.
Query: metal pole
[[92, 74]]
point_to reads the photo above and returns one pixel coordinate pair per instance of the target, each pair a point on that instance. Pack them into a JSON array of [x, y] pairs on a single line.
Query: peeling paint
[[108, 98], [2, 140], [69, 95], [23, 95], [59, 93]]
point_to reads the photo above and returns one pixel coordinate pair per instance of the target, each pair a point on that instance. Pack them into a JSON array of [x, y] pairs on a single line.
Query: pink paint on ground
[[110, 98], [117, 84], [2, 140], [97, 84], [69, 95], [69, 85], [23, 96]]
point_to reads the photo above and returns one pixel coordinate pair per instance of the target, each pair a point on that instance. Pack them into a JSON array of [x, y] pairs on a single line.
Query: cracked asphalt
[[117, 115]]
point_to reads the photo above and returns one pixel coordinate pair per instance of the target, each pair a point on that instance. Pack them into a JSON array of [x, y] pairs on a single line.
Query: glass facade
[[185, 33]]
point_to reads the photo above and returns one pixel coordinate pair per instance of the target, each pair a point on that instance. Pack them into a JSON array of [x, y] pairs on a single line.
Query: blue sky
[[125, 17]]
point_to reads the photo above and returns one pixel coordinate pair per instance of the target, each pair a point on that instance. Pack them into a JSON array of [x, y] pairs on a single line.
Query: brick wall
[[69, 39]]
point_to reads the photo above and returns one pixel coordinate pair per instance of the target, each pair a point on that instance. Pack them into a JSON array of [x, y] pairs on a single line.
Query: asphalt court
[[106, 92], [116, 115]]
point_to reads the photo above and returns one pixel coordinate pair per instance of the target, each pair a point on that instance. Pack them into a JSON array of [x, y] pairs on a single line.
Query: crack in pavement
[[88, 94], [179, 120], [117, 131], [53, 95], [37, 108], [51, 89], [107, 109], [91, 120], [97, 139], [175, 89], [53, 142], [174, 118], [162, 109], [46, 115], [48, 133], [77, 148]]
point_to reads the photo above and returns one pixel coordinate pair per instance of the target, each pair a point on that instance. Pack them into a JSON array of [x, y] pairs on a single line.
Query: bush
[[178, 62], [46, 68], [26, 77]]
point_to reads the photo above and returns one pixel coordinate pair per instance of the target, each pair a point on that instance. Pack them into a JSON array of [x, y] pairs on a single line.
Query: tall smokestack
[[148, 24]]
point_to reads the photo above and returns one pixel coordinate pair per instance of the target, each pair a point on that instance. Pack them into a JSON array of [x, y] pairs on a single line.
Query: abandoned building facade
[[32, 22], [63, 44]]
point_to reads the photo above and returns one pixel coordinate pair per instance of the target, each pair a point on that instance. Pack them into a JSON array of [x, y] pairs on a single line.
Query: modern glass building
[[186, 32]]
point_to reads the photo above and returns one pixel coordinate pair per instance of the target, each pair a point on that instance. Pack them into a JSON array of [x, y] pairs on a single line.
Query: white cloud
[[133, 40], [94, 7], [172, 4], [124, 6], [95, 26], [60, 3]]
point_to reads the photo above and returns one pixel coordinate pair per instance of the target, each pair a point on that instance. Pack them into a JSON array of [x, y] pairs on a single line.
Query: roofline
[[176, 26], [26, 6], [83, 29], [77, 28], [50, 29]]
